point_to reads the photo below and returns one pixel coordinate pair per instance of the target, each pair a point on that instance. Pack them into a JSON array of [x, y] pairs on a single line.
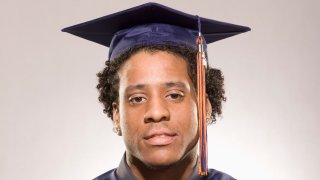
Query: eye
[[137, 99], [175, 96]]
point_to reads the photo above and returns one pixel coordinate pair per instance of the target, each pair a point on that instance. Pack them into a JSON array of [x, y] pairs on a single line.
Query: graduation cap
[[155, 24]]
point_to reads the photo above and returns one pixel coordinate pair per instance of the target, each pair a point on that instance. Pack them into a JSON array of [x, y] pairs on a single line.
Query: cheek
[[128, 130], [130, 122], [194, 119], [187, 117]]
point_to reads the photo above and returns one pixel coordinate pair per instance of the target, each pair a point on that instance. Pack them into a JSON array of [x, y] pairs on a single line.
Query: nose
[[156, 111]]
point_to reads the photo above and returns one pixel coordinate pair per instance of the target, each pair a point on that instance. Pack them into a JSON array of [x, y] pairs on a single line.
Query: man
[[150, 89]]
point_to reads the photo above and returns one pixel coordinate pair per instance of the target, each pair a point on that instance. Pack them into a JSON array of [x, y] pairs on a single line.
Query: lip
[[160, 137]]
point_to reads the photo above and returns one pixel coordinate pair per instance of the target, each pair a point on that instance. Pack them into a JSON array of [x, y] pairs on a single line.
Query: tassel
[[202, 119]]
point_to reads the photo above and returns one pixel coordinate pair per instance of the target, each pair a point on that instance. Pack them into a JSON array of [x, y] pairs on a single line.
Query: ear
[[208, 107], [116, 117]]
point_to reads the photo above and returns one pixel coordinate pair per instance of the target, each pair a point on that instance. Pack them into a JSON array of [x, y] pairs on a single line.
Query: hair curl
[[108, 85]]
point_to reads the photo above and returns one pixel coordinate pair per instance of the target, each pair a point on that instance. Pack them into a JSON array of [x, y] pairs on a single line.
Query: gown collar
[[123, 171]]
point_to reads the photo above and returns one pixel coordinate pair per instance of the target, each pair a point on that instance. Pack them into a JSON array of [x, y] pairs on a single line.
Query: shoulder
[[212, 175], [218, 175], [110, 175]]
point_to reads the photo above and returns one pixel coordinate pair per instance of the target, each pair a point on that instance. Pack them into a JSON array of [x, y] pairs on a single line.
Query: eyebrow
[[136, 86], [167, 85], [176, 84]]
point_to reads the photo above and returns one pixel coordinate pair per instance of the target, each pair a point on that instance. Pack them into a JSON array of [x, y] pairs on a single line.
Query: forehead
[[150, 67]]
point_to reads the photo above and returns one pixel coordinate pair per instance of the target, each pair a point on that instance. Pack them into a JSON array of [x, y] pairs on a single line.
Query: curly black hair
[[108, 85]]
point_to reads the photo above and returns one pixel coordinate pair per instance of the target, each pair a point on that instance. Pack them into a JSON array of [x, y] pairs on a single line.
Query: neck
[[182, 169]]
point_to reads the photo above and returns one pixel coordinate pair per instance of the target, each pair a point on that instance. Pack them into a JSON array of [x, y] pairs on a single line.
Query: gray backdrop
[[52, 126]]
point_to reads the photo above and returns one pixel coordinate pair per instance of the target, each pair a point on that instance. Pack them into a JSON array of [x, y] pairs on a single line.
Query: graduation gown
[[123, 172]]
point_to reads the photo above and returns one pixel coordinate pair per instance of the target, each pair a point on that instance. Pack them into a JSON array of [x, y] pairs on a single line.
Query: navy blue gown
[[123, 172]]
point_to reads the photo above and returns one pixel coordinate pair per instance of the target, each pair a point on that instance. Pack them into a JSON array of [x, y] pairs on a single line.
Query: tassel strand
[[202, 119]]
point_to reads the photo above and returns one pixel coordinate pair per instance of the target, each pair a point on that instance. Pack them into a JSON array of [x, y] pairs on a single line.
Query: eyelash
[[174, 96], [178, 95], [133, 100]]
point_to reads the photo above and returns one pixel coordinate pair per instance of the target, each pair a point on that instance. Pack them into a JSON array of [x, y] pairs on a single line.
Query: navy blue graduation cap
[[154, 24], [151, 23]]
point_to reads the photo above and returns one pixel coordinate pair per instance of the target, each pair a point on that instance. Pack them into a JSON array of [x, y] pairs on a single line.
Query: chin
[[156, 165], [161, 159]]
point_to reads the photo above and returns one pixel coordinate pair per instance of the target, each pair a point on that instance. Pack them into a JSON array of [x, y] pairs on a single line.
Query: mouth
[[160, 138]]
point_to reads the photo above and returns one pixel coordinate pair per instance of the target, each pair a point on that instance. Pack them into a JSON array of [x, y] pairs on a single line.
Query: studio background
[[52, 126]]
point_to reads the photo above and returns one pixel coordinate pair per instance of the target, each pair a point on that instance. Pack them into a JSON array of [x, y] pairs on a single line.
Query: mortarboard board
[[153, 24]]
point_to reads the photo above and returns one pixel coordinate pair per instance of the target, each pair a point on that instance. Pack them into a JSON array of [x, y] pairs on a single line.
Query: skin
[[157, 115]]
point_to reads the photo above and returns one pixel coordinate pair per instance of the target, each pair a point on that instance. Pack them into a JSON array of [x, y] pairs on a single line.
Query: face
[[157, 110]]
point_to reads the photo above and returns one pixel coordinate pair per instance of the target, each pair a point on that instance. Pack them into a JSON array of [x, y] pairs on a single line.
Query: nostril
[[157, 115], [156, 110], [155, 120]]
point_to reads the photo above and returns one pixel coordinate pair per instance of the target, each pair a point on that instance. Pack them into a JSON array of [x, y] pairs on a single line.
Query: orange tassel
[[202, 119]]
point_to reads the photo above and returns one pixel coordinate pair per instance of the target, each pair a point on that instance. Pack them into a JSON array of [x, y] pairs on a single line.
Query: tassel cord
[[201, 94]]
